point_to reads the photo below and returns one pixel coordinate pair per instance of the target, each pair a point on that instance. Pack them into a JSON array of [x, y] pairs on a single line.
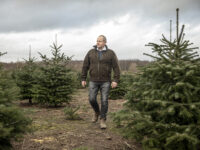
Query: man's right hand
[[83, 83]]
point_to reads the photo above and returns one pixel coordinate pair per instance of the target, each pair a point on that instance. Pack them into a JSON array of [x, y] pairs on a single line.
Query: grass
[[83, 148]]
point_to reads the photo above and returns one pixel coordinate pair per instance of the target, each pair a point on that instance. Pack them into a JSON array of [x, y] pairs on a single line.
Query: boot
[[103, 124], [95, 117]]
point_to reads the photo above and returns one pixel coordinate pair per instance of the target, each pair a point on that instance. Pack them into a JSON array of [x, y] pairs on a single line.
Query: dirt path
[[53, 132]]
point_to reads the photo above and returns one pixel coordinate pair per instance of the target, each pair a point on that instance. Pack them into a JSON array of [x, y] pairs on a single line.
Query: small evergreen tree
[[163, 109], [54, 82], [12, 122], [71, 113], [25, 79]]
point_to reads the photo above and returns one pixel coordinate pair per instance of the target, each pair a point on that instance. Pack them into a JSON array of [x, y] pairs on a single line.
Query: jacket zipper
[[98, 66], [98, 69]]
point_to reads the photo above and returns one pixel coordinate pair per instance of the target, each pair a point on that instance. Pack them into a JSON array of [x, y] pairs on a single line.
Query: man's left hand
[[114, 84]]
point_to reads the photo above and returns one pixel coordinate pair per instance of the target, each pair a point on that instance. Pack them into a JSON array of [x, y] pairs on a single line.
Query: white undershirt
[[104, 48]]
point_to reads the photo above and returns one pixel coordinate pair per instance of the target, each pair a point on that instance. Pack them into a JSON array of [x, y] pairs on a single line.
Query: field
[[125, 65], [52, 131]]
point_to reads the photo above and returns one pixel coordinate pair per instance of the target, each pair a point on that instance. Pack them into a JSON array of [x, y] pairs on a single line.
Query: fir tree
[[12, 122], [55, 81], [25, 79], [163, 109]]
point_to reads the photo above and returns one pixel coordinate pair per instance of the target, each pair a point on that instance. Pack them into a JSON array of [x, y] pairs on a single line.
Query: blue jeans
[[104, 88]]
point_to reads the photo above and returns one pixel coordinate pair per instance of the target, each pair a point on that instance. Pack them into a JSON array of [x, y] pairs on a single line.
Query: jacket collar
[[104, 49]]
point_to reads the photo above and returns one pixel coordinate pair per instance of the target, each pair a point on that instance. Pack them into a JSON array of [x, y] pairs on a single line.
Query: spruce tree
[[13, 124], [55, 83], [163, 109], [25, 79]]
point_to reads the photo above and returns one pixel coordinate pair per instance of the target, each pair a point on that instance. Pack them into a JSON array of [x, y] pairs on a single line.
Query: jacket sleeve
[[116, 69], [85, 68]]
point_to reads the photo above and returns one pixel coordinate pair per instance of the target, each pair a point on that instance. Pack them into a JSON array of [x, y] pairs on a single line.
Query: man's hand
[[83, 83], [114, 84]]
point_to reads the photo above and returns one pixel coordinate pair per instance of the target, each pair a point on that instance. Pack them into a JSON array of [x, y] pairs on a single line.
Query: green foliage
[[121, 117], [70, 113], [122, 88], [25, 79], [163, 104], [55, 81], [8, 88], [77, 80], [13, 124]]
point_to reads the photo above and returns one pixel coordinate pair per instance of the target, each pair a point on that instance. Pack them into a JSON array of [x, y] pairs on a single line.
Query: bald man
[[100, 61]]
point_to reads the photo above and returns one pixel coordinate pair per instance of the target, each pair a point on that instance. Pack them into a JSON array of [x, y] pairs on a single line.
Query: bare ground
[[52, 131]]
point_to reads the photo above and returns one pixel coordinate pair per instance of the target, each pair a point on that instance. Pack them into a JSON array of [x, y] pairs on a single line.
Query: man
[[100, 61]]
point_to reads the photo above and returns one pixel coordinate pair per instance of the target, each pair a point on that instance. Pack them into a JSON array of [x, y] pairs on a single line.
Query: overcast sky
[[127, 24]]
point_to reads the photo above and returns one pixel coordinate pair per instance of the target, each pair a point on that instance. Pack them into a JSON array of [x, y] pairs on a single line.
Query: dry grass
[[51, 130]]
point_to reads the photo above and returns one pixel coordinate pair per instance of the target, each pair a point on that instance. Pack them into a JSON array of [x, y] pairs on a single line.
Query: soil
[[52, 131]]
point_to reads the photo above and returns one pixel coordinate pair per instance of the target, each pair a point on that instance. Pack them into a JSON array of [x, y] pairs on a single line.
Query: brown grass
[[51, 131]]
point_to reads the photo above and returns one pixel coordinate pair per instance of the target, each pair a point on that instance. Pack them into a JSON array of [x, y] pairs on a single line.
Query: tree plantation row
[[162, 111]]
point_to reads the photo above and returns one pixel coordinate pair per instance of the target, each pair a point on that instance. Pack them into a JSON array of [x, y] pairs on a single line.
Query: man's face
[[100, 42]]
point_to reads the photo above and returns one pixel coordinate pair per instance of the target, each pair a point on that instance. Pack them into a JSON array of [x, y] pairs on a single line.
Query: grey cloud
[[32, 15]]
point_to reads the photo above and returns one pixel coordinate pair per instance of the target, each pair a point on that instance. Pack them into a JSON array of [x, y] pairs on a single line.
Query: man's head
[[101, 41]]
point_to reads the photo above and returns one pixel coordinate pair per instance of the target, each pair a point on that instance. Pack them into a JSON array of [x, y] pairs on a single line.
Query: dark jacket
[[100, 65]]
